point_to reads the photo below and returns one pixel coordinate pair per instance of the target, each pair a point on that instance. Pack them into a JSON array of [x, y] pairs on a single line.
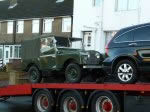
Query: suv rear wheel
[[126, 72], [34, 75], [73, 73]]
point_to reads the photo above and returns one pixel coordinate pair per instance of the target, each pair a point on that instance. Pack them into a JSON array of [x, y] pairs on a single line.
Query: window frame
[[10, 23], [18, 52], [34, 23], [139, 29], [63, 24], [125, 33], [127, 6], [94, 3], [20, 29], [44, 25]]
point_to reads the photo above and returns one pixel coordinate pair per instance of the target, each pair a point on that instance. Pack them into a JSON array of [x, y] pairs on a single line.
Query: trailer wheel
[[71, 102], [43, 101], [73, 73], [105, 102], [34, 75]]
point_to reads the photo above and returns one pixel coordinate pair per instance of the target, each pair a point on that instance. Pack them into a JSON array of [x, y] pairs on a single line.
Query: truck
[[83, 97]]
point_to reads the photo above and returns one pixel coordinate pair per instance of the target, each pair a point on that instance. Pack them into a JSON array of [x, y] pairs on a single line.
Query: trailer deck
[[26, 89]]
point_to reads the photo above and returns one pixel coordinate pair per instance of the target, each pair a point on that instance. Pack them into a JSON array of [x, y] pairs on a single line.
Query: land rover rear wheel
[[34, 75], [73, 73]]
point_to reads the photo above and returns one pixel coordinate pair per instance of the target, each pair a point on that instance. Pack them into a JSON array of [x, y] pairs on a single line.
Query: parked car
[[128, 53], [47, 55]]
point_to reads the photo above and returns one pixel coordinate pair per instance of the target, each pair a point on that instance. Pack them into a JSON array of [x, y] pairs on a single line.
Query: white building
[[105, 18], [87, 23]]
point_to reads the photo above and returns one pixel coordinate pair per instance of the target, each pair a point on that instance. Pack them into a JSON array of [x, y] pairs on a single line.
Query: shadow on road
[[17, 104]]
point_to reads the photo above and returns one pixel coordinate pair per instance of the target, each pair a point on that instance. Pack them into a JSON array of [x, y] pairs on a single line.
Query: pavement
[[17, 104]]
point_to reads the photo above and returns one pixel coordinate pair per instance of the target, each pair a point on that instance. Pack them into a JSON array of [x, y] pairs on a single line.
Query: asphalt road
[[17, 104]]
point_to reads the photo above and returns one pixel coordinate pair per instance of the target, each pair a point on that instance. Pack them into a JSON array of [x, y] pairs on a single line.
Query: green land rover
[[46, 55]]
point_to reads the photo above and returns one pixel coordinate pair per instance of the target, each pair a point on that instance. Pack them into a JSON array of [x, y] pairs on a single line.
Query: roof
[[126, 29], [35, 9]]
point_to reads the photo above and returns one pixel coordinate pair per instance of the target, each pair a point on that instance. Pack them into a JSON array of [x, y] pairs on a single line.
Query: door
[[6, 54], [48, 54], [87, 36], [142, 40]]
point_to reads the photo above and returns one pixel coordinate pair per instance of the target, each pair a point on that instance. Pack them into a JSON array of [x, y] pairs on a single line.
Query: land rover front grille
[[92, 59]]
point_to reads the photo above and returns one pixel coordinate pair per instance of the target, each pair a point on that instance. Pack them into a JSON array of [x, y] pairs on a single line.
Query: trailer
[[83, 97]]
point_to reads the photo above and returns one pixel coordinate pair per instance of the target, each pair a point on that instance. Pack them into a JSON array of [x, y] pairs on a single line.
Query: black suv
[[128, 53]]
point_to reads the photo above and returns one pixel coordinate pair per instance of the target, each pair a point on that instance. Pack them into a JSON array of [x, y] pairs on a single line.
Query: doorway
[[87, 38]]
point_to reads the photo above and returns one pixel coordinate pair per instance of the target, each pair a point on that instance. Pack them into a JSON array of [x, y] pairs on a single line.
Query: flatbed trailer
[[65, 97]]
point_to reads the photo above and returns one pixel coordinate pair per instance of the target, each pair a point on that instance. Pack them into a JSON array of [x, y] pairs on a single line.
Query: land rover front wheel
[[73, 73], [126, 72], [34, 75]]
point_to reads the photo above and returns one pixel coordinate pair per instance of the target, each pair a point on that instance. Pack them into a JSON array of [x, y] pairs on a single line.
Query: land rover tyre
[[43, 101], [73, 73], [105, 102], [71, 102], [34, 75], [126, 72]]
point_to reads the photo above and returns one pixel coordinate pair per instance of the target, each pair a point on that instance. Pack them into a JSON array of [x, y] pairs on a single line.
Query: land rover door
[[48, 53]]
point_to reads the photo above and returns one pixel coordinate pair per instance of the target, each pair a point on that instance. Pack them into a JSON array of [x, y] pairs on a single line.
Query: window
[[1, 53], [127, 5], [17, 52], [35, 26], [47, 25], [47, 44], [127, 37], [20, 27], [109, 36], [66, 25], [97, 2], [10, 27], [142, 34]]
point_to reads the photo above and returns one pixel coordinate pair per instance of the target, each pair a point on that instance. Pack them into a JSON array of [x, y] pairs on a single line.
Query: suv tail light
[[107, 47]]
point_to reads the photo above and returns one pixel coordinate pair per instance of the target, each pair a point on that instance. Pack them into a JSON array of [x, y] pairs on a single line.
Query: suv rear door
[[142, 40], [122, 43]]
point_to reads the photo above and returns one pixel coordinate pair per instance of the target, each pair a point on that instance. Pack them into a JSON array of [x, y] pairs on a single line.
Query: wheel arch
[[31, 64], [68, 61], [118, 59]]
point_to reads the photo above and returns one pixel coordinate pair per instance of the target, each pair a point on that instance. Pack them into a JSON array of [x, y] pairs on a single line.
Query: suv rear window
[[142, 34], [127, 37]]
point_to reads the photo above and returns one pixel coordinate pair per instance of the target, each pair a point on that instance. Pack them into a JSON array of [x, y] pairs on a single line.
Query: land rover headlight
[[97, 55]]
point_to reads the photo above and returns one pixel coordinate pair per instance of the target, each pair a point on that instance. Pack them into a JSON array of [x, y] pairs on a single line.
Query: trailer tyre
[[34, 75], [43, 101], [73, 73], [105, 102], [71, 102]]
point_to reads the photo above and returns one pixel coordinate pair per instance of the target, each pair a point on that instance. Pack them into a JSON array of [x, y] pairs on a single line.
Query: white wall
[[144, 11], [114, 20], [88, 18]]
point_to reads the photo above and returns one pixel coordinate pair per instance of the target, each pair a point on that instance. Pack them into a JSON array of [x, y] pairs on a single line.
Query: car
[[127, 55], [50, 55]]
